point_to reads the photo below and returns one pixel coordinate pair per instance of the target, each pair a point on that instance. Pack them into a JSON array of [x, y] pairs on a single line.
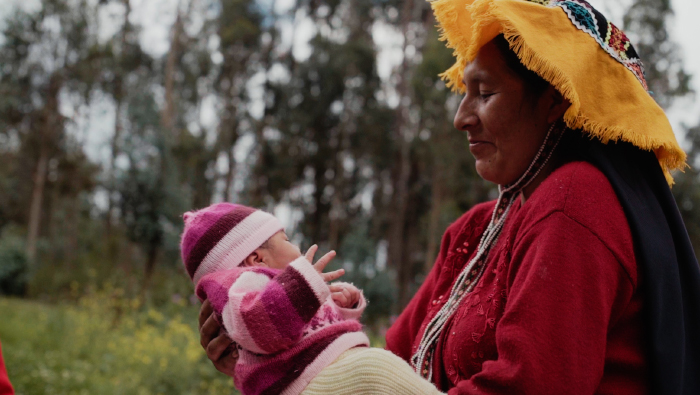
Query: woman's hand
[[221, 350], [345, 295], [321, 264]]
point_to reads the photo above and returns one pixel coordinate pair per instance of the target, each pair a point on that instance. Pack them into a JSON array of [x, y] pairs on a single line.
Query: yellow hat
[[585, 57]]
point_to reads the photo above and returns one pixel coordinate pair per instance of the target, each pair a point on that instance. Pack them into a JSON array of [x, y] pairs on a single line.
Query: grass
[[106, 344]]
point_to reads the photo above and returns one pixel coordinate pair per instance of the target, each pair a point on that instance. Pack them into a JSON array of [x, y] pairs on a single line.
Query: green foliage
[[358, 255], [648, 21], [687, 188], [14, 270], [240, 23], [106, 344]]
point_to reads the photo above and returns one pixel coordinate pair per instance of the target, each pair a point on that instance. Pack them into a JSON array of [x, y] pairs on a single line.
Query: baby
[[295, 334]]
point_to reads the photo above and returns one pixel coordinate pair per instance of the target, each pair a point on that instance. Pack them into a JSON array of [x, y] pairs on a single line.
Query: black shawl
[[667, 264]]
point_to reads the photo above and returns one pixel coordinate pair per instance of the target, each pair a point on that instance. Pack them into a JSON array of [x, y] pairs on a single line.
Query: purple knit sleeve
[[263, 312]]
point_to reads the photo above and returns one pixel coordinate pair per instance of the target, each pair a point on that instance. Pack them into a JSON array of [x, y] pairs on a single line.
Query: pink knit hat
[[222, 235]]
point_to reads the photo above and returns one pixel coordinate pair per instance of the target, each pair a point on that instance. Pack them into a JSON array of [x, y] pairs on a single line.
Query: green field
[[105, 344]]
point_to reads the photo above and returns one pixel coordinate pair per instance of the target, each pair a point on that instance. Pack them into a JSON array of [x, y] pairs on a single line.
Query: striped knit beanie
[[222, 235]]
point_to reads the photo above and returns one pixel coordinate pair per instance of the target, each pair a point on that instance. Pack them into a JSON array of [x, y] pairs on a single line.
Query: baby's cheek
[[292, 255]]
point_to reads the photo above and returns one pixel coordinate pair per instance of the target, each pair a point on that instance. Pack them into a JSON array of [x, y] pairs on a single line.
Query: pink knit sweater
[[286, 325]]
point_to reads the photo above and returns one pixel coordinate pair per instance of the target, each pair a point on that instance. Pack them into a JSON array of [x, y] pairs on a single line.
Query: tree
[[32, 114], [121, 59], [647, 21], [319, 124], [149, 201], [239, 29]]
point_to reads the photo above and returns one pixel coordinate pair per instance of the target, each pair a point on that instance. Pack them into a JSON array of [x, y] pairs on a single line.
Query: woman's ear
[[254, 259], [558, 105]]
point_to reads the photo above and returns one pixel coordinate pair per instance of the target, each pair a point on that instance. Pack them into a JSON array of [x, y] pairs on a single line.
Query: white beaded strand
[[422, 359]]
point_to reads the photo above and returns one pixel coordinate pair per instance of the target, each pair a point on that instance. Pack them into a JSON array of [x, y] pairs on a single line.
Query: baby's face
[[279, 252]]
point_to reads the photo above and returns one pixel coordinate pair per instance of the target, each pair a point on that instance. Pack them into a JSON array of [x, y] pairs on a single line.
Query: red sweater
[[558, 308], [5, 386]]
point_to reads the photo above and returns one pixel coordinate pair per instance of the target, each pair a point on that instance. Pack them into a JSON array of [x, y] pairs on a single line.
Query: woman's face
[[505, 124]]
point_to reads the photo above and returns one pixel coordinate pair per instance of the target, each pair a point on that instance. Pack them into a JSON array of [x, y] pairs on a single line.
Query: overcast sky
[[156, 16]]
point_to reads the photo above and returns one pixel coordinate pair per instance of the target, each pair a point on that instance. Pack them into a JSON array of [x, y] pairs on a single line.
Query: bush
[[13, 267], [106, 344]]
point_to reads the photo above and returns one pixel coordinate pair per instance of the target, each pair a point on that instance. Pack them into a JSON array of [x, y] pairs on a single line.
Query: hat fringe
[[447, 12], [573, 118], [485, 13]]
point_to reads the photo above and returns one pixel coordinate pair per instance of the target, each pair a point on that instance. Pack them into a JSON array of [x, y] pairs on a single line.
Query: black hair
[[534, 84]]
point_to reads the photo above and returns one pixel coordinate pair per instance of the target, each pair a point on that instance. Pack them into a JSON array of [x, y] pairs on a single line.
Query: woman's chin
[[488, 172], [486, 175]]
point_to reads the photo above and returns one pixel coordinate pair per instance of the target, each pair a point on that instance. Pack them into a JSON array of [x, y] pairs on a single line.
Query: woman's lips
[[478, 147]]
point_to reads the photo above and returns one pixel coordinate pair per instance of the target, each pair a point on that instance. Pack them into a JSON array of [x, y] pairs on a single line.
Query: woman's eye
[[485, 95]]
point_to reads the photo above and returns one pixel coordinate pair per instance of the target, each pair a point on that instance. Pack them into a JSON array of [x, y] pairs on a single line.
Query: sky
[[156, 16]]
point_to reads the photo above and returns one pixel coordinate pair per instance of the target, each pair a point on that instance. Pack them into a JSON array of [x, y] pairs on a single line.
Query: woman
[[580, 278]]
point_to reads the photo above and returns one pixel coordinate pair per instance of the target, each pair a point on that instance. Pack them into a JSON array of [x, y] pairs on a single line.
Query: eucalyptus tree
[[316, 155], [49, 60]]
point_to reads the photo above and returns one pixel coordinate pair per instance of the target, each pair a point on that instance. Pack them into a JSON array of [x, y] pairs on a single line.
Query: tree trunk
[[51, 122], [72, 229], [37, 202], [436, 200], [113, 242], [228, 185], [228, 134], [151, 257], [397, 236], [257, 181], [118, 95], [113, 158], [321, 209], [168, 113], [335, 221], [397, 230]]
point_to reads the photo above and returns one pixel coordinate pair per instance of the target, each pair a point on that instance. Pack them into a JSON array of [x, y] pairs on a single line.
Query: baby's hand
[[345, 295], [321, 264]]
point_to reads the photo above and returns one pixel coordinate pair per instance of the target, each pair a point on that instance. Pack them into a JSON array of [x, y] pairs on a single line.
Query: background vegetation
[[96, 299]]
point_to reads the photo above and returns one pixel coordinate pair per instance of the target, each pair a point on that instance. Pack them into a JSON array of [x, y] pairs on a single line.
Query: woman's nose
[[465, 117]]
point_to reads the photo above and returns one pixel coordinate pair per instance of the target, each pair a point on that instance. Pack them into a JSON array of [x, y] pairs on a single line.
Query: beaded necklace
[[422, 360]]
